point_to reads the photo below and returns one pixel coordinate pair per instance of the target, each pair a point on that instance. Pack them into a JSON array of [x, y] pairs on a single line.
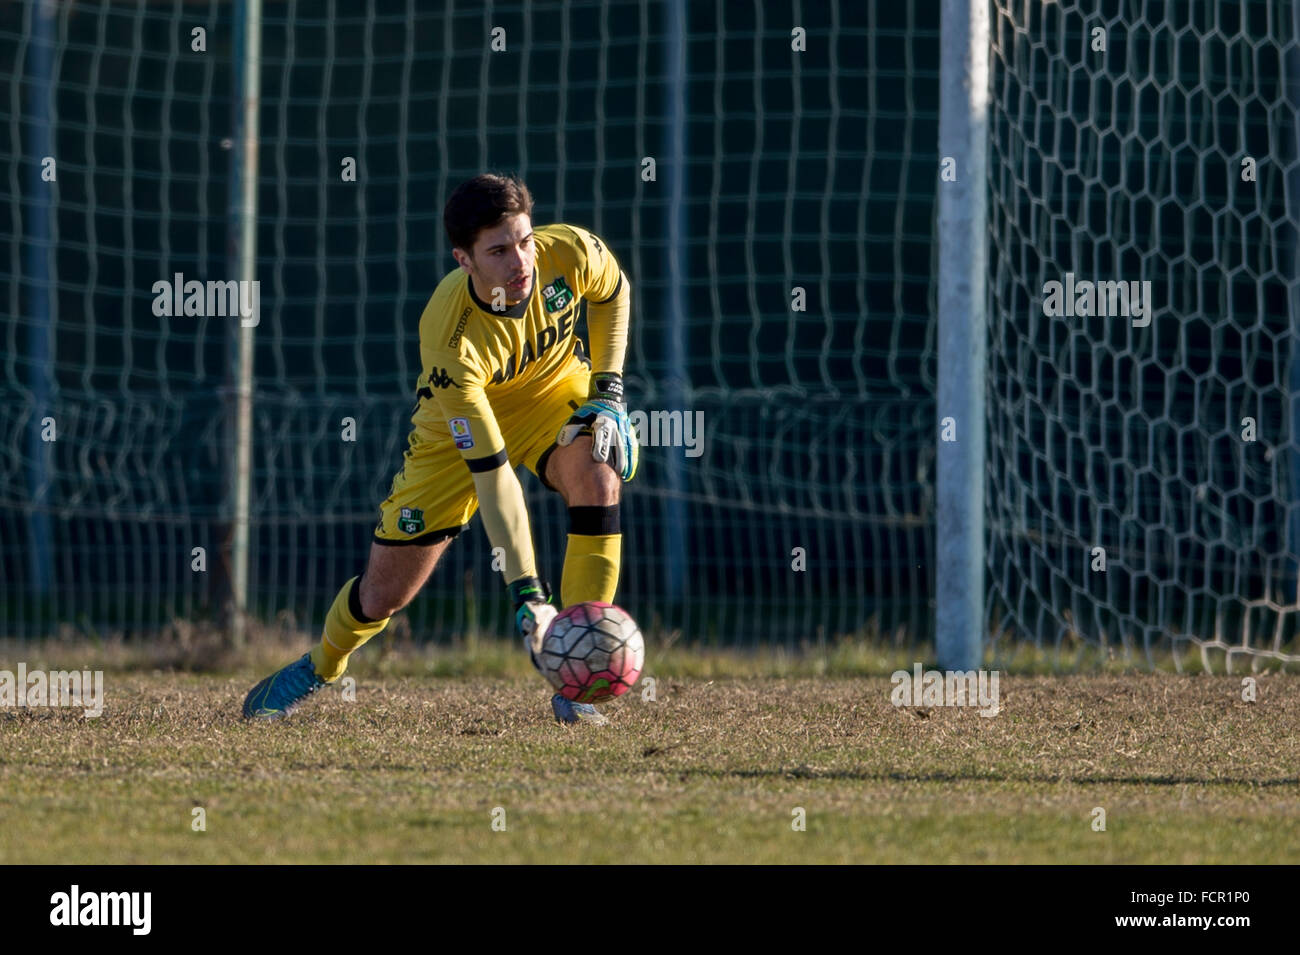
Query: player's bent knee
[[394, 577], [374, 602], [595, 485]]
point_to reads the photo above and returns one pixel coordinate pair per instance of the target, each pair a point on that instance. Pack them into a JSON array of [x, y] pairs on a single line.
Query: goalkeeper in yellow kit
[[504, 381]]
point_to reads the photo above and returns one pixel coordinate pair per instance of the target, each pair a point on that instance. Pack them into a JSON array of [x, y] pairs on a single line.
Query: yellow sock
[[590, 568], [343, 633]]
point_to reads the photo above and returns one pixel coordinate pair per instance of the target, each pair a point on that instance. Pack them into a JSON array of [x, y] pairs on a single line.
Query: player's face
[[503, 258]]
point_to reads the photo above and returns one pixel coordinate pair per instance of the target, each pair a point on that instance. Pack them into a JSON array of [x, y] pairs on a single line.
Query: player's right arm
[[474, 429], [457, 388]]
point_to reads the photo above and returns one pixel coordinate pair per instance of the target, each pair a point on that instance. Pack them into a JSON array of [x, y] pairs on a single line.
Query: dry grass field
[[456, 759]]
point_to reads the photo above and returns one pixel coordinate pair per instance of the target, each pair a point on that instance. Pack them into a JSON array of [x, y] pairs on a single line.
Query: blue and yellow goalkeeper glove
[[605, 416], [533, 612]]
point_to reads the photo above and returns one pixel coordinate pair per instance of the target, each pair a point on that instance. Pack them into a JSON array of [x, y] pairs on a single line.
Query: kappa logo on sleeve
[[454, 341], [440, 379], [461, 433]]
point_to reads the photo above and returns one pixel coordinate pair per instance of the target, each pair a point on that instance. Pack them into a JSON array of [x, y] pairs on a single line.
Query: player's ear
[[463, 259]]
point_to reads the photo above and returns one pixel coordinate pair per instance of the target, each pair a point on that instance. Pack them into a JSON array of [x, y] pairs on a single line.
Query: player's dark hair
[[482, 202]]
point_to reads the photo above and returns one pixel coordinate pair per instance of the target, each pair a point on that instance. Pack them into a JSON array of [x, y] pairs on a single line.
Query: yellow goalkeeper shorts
[[433, 495]]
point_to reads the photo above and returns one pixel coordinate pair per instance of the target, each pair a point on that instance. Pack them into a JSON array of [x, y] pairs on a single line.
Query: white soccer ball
[[593, 651]]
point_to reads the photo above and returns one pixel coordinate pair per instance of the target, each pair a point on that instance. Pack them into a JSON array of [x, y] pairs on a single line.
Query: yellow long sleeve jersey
[[477, 361]]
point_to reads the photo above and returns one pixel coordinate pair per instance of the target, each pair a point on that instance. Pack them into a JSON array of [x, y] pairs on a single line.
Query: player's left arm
[[609, 303]]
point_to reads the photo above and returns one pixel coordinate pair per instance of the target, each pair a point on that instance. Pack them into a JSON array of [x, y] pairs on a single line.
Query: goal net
[[1143, 490]]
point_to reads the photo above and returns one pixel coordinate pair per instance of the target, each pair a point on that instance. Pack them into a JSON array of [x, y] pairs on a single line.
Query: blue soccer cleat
[[276, 696], [567, 711]]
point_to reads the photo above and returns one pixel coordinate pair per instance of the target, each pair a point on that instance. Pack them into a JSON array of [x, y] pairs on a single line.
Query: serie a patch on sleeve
[[461, 433]]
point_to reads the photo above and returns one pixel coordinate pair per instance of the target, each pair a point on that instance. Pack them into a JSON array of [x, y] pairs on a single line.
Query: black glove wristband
[[606, 384], [527, 589]]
